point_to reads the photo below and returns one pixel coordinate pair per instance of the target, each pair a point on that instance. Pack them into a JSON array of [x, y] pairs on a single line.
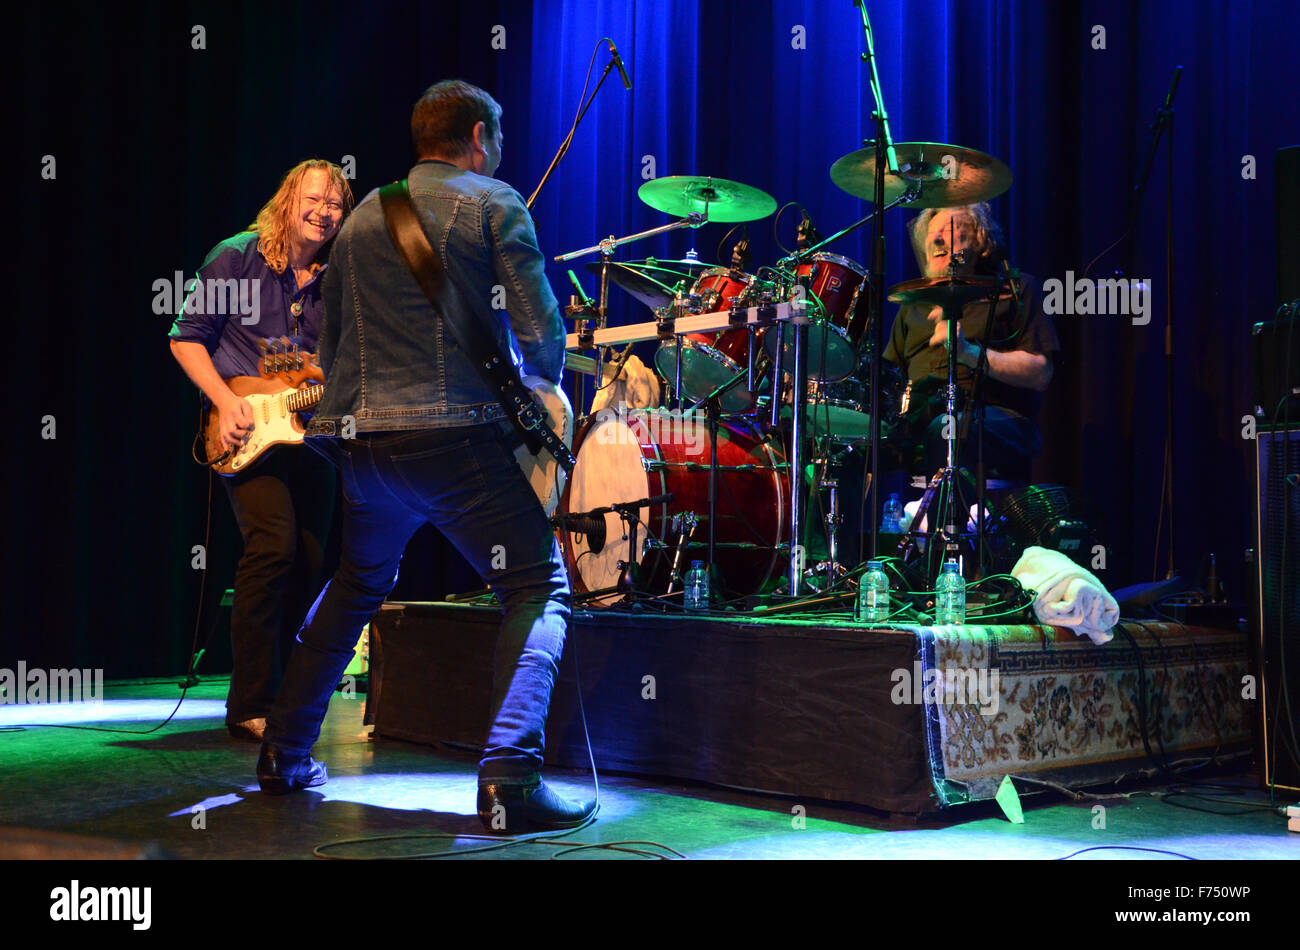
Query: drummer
[[1020, 348]]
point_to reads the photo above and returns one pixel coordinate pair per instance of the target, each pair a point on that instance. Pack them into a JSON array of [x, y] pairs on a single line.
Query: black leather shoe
[[514, 809], [280, 773]]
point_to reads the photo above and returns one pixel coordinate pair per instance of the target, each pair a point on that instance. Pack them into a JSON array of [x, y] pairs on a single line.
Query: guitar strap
[[497, 369]]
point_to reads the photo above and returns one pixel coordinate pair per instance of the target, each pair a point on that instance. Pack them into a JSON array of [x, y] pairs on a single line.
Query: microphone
[[740, 256], [577, 285], [618, 61], [807, 234]]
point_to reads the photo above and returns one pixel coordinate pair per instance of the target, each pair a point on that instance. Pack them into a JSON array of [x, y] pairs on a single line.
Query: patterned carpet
[[1040, 702]]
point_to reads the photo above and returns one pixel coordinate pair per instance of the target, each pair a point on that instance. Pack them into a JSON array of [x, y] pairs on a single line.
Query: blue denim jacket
[[389, 362]]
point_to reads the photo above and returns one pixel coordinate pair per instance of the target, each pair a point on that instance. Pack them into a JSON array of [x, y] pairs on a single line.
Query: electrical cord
[[499, 842], [1127, 847]]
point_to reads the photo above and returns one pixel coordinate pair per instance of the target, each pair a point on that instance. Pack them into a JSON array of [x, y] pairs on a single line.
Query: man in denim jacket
[[423, 441]]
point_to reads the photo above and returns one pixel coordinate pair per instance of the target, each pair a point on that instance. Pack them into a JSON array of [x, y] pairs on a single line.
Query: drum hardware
[[712, 412], [592, 524], [951, 294], [757, 317], [684, 526]]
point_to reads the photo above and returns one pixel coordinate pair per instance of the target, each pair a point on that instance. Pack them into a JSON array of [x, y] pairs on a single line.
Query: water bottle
[[893, 515], [697, 587], [873, 594], [950, 596]]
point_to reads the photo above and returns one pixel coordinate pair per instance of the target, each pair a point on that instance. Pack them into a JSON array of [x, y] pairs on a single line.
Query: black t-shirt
[[1029, 328]]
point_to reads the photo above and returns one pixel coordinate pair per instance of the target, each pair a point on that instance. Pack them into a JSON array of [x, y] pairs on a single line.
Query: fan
[[1046, 516]]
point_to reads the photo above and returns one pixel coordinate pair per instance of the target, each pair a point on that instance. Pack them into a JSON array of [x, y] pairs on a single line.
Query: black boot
[[279, 773], [519, 807]]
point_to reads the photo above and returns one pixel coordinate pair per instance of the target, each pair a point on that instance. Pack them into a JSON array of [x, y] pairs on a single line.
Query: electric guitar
[[290, 383]]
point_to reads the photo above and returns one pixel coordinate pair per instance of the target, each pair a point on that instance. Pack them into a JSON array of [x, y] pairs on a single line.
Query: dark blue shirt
[[219, 310]]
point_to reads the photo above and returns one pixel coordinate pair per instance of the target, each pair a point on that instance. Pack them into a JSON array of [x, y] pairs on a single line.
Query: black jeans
[[1010, 443], [284, 506], [467, 484]]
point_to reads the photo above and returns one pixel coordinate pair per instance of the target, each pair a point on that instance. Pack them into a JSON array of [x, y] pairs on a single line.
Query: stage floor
[[146, 788]]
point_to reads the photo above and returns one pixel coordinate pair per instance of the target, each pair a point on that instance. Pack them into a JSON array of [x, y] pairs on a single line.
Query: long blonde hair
[[274, 221]]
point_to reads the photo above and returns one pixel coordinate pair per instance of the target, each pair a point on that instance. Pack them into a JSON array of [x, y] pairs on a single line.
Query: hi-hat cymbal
[[651, 285], [956, 291], [725, 201], [949, 175]]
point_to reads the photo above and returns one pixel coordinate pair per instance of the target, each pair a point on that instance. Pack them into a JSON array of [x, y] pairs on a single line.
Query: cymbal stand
[[976, 412], [945, 480], [695, 219]]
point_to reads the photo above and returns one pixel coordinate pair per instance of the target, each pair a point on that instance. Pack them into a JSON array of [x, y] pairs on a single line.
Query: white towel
[[1068, 595], [637, 388]]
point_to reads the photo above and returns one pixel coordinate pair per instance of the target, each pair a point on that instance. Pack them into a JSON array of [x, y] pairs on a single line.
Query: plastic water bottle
[[889, 523], [697, 587], [950, 596], [873, 594]]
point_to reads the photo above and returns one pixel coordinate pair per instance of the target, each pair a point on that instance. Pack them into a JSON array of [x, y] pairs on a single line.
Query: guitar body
[[275, 422], [546, 476]]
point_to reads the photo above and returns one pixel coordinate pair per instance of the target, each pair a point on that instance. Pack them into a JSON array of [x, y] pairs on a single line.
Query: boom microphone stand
[[884, 155]]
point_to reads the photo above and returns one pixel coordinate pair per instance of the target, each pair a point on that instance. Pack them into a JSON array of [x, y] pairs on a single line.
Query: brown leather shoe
[[250, 729]]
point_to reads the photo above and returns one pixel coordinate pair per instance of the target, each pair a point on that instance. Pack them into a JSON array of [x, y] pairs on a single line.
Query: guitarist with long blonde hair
[[265, 283]]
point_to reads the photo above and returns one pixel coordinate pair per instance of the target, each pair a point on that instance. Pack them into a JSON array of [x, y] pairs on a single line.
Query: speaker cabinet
[[1277, 613]]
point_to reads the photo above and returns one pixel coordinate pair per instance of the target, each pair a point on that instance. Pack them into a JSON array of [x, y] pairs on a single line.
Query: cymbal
[[686, 265], [726, 201], [956, 291], [949, 174], [653, 286]]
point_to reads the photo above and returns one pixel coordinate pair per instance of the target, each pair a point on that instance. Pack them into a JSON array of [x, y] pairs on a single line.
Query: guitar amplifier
[[1275, 368], [1277, 608]]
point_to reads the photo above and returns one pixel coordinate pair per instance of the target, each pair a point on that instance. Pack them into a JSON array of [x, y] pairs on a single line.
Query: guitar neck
[[304, 398]]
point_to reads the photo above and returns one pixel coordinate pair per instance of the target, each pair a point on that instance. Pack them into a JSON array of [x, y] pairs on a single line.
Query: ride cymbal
[[949, 175]]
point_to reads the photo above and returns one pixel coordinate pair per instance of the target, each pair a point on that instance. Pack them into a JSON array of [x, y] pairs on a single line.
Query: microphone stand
[[563, 150], [885, 155], [568, 139], [1165, 119]]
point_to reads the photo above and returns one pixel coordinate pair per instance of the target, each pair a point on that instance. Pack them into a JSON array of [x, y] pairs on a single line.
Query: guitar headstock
[[286, 361]]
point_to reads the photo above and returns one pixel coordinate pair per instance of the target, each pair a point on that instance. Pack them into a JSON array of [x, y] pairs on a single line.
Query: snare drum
[[642, 453], [710, 359], [835, 284]]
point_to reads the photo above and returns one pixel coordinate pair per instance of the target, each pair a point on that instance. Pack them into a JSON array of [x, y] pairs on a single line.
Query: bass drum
[[625, 457]]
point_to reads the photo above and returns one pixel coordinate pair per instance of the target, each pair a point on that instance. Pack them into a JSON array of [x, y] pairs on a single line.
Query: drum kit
[[709, 476]]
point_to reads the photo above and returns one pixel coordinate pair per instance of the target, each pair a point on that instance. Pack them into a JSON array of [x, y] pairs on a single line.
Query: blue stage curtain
[[721, 88]]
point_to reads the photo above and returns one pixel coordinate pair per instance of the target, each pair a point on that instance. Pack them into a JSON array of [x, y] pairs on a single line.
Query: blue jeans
[[466, 483]]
